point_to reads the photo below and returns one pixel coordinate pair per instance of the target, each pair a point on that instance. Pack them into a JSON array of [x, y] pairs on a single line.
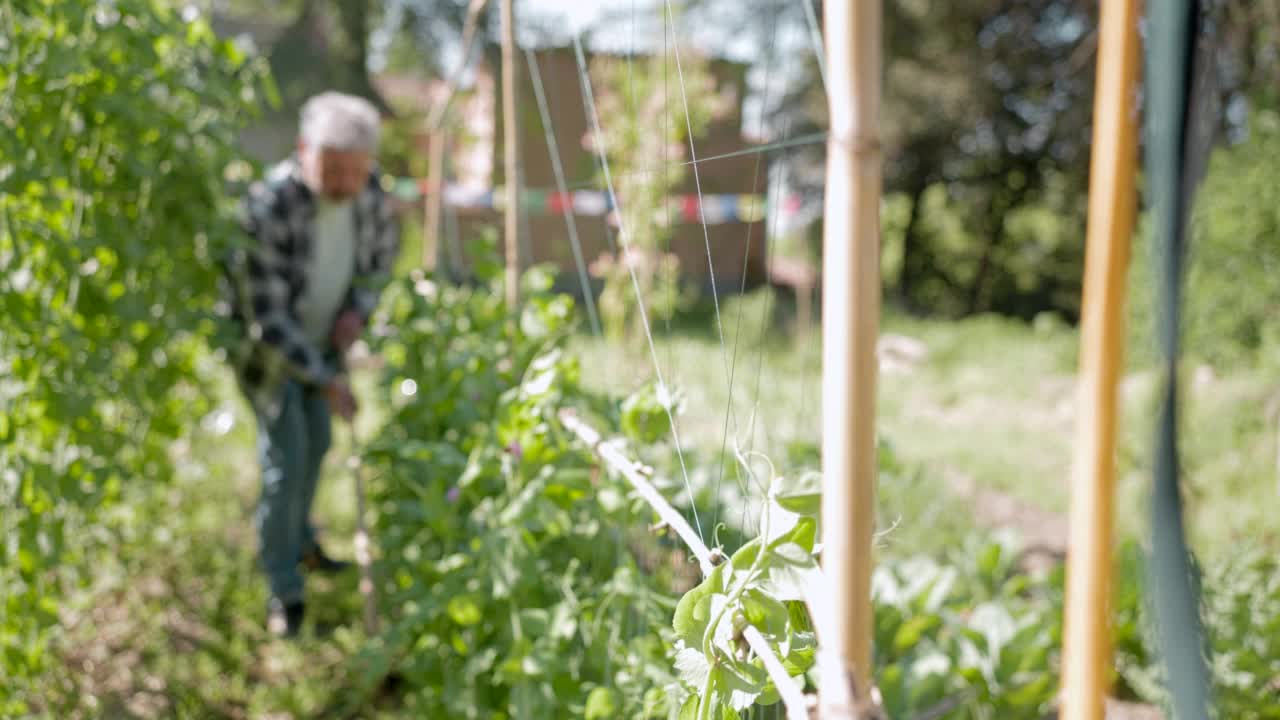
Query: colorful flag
[[463, 196], [713, 209], [590, 202], [750, 208], [689, 209], [404, 188], [536, 200], [559, 202]]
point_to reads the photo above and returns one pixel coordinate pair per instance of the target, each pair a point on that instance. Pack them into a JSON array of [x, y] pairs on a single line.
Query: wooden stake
[[363, 546], [433, 199], [804, 311], [850, 324], [1086, 639], [511, 154]]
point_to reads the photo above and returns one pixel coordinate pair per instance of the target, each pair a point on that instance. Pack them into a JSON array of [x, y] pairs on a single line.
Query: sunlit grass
[[992, 400]]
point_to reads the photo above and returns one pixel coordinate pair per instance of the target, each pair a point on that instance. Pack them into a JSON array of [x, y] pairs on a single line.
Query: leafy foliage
[[506, 556], [116, 124], [1241, 604], [971, 634], [761, 585], [1233, 255]]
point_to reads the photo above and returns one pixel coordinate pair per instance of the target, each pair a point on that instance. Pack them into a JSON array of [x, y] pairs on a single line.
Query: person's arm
[[265, 294]]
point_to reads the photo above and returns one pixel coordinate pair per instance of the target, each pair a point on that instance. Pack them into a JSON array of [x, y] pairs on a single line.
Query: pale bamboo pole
[[436, 137], [804, 310], [433, 198], [850, 324], [363, 545], [1112, 198], [511, 154]]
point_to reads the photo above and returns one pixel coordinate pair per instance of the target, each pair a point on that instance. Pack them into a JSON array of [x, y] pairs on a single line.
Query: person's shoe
[[284, 619], [316, 561]]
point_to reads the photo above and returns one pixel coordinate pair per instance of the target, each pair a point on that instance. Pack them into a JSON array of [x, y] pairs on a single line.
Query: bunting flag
[[590, 202], [713, 209]]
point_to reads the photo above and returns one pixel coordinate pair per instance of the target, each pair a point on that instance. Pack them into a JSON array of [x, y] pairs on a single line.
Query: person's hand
[[346, 330], [341, 401]]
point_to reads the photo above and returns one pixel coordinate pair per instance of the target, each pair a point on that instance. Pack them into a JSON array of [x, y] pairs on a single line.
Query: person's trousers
[[291, 449]]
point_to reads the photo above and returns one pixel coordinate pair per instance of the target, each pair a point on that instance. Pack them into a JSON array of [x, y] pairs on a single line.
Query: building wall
[[733, 247]]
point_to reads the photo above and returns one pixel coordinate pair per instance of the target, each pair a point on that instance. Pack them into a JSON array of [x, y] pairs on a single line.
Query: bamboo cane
[[1086, 639], [511, 154], [363, 546], [433, 199], [850, 324]]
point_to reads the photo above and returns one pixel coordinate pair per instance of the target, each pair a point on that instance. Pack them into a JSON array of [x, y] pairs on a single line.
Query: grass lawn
[[992, 401]]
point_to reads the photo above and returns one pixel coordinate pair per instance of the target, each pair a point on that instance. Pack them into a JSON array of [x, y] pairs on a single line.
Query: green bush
[[117, 124], [1231, 295], [508, 560]]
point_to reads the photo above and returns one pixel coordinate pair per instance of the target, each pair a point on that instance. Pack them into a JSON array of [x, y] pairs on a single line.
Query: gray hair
[[338, 121]]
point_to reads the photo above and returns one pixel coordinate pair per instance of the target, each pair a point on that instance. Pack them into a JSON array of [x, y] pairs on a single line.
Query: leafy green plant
[[116, 126], [970, 635], [1230, 301], [760, 586], [1241, 610], [647, 413], [505, 562]]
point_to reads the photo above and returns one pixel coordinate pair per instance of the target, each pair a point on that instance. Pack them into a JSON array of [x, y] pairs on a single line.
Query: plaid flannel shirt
[[269, 276]]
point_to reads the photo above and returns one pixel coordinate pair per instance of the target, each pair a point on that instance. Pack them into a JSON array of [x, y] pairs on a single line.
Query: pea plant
[[516, 565], [117, 123], [761, 586], [508, 559]]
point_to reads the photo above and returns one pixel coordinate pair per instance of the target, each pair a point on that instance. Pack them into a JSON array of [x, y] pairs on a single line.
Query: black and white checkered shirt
[[269, 275]]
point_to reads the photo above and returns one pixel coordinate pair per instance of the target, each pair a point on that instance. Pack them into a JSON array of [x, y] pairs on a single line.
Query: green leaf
[[538, 279], [692, 666], [800, 494], [927, 690], [564, 622], [769, 696], [602, 704], [891, 681], [745, 557], [689, 710], [717, 608], [785, 579], [465, 610], [792, 553], [767, 614], [611, 500], [647, 413], [803, 653], [996, 625], [691, 616], [1032, 695], [989, 560], [804, 534], [740, 683], [911, 631]]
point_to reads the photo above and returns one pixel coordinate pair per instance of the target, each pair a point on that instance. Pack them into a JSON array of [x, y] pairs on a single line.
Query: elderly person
[[321, 242]]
